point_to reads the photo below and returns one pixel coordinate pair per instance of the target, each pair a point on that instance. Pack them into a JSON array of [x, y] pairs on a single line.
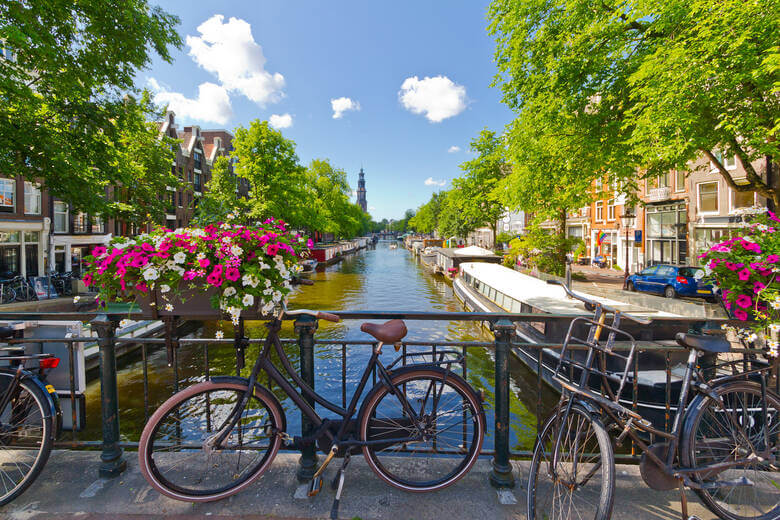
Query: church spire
[[361, 191]]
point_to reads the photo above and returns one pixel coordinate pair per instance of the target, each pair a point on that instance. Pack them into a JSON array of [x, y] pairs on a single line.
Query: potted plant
[[200, 272], [745, 268]]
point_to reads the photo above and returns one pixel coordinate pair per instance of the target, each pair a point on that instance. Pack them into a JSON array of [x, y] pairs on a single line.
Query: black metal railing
[[501, 325]]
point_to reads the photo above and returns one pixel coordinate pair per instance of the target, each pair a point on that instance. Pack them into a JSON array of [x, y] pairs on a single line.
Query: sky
[[399, 88]]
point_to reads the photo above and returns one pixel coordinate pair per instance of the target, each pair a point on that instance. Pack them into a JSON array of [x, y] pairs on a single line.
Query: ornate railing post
[[112, 461], [501, 476], [305, 326]]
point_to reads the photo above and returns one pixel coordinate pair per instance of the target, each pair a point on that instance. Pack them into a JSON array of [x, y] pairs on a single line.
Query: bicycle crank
[[316, 481]]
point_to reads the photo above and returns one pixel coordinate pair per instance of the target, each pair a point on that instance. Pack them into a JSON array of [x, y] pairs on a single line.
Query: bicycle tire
[[541, 502], [422, 473], [29, 410], [707, 439], [9, 295], [162, 474]]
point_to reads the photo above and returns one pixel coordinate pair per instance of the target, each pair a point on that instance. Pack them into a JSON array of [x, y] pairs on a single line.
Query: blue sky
[[419, 72]]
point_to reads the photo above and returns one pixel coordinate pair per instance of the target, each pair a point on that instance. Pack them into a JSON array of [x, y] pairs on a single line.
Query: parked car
[[672, 281]]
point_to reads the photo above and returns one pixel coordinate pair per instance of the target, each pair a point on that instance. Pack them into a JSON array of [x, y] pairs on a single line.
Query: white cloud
[[371, 208], [453, 149], [280, 121], [212, 104], [341, 105], [430, 182], [228, 50], [437, 98]]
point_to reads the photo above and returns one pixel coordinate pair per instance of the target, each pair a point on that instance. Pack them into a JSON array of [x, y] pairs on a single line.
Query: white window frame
[[611, 210], [599, 211], [98, 225], [728, 164], [677, 177], [12, 183], [732, 194], [717, 198], [66, 213], [34, 191]]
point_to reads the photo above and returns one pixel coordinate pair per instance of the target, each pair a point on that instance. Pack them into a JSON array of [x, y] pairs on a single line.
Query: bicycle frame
[[264, 363]]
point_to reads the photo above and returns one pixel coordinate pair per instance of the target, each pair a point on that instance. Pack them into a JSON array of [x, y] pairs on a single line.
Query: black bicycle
[[215, 438], [723, 443], [30, 417]]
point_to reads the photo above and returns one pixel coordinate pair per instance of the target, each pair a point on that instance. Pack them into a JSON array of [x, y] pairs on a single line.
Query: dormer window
[[197, 156]]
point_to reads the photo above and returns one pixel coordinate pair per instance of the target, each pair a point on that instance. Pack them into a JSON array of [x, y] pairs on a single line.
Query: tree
[[481, 206], [277, 181], [64, 117], [426, 220], [654, 84], [220, 198]]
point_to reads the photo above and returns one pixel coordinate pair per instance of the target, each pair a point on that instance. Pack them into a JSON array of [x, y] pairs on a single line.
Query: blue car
[[672, 281]]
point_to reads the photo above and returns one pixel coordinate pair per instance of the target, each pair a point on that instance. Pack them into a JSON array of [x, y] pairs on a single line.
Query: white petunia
[[180, 257], [774, 327], [151, 274], [200, 256], [219, 334], [165, 288], [230, 291], [236, 251], [248, 300], [76, 299], [168, 307]]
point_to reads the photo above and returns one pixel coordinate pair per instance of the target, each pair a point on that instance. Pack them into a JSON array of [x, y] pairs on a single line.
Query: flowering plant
[[746, 269], [242, 266]]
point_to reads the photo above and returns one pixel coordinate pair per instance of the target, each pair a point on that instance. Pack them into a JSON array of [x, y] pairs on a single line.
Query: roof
[[473, 251], [539, 294], [451, 252]]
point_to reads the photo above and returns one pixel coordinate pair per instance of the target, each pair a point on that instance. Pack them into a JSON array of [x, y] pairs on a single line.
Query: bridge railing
[[499, 399]]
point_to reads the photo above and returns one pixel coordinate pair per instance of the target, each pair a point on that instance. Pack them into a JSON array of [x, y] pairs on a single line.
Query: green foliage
[[329, 208], [504, 238], [220, 198], [615, 88], [543, 250], [426, 220], [64, 119]]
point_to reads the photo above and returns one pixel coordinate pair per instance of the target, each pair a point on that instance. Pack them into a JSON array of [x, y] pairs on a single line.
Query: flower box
[[225, 269]]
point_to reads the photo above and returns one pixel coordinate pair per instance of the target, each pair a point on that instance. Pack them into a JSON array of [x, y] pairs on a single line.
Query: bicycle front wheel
[[736, 430], [25, 437], [177, 457], [576, 479], [446, 409]]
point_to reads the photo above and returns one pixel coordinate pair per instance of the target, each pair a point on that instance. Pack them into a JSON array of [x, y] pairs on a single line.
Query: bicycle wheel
[[582, 482], [175, 458], [25, 437], [454, 424], [8, 295], [711, 437]]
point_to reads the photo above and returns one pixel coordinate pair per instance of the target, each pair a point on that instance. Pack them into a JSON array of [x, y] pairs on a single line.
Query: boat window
[[485, 289], [516, 306], [492, 294], [499, 299], [524, 307]]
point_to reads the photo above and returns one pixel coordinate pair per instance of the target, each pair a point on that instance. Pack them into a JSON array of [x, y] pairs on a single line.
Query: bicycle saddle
[[388, 332], [712, 344]]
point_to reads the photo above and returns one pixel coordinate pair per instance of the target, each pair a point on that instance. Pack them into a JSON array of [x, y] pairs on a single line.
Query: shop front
[[666, 226], [22, 247]]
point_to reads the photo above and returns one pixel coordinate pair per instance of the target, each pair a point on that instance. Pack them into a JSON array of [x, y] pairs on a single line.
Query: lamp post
[[627, 220]]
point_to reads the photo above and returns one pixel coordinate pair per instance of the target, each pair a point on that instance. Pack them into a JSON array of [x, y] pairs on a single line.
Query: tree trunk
[[562, 240]]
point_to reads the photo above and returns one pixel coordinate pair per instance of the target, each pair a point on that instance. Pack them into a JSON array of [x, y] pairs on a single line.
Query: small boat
[[485, 287], [393, 246], [310, 264]]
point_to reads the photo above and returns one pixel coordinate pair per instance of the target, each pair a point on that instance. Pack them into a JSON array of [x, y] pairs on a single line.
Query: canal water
[[374, 279]]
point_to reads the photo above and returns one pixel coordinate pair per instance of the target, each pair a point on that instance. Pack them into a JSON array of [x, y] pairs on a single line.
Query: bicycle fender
[[260, 389], [51, 399]]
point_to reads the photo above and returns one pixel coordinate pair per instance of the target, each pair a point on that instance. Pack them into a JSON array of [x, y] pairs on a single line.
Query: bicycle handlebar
[[641, 321]]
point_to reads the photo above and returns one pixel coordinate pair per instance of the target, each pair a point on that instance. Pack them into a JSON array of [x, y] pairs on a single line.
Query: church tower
[[361, 191]]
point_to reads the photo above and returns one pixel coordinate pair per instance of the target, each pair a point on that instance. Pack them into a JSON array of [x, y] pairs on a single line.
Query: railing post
[[112, 461], [305, 326], [501, 476]]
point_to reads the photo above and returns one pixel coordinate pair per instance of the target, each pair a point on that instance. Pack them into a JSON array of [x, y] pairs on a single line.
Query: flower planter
[[190, 303]]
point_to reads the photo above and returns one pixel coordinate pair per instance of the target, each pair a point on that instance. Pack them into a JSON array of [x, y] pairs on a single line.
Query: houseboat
[[449, 259], [487, 287]]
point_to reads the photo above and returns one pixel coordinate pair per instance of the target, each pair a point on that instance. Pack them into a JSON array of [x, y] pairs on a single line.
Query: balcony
[[659, 194]]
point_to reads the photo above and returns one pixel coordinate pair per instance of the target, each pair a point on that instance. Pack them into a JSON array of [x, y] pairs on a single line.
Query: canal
[[374, 279]]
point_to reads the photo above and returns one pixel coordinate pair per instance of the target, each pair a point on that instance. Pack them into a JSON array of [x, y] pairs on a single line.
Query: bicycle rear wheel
[[580, 483], [451, 416], [174, 453], [25, 437], [711, 437]]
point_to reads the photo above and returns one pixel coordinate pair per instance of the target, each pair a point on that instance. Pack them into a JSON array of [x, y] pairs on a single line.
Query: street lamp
[[627, 220]]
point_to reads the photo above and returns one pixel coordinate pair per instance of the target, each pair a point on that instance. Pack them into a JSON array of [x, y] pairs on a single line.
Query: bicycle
[[7, 293], [21, 288], [30, 418], [229, 435], [723, 443]]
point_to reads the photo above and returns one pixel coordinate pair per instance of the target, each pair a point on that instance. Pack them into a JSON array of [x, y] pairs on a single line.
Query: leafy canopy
[[64, 119]]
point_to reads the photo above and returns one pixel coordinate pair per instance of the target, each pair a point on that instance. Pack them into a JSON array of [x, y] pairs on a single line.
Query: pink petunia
[[232, 274], [204, 262], [744, 301], [309, 243], [214, 279], [87, 279], [740, 315], [773, 259], [758, 287], [99, 251], [744, 274], [141, 286]]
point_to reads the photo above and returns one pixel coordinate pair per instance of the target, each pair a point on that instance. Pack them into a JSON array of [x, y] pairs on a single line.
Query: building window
[[600, 211], [60, 217], [197, 158], [189, 199], [7, 195], [179, 198], [663, 180], [742, 199], [730, 163], [98, 226], [181, 173], [611, 209], [32, 199], [599, 185], [196, 183], [680, 184], [80, 223], [708, 197]]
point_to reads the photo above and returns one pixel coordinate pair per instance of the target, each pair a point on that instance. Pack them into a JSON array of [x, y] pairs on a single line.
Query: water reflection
[[379, 279]]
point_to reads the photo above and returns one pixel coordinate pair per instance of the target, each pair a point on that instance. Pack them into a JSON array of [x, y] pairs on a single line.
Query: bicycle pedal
[[315, 486]]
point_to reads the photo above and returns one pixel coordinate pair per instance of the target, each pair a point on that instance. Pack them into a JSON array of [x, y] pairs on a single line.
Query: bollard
[[305, 326], [501, 475], [112, 461]]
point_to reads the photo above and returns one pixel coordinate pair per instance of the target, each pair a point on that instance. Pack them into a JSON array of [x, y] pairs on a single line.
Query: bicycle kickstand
[[684, 503], [338, 485]]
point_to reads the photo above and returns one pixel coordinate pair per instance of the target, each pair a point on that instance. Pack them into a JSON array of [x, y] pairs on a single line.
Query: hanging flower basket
[[746, 268], [219, 270]]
